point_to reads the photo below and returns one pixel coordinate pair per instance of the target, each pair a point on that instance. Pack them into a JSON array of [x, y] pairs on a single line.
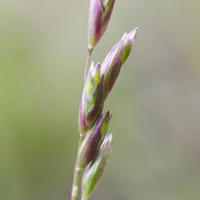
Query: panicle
[[111, 66], [93, 140], [96, 168], [99, 17], [94, 145]]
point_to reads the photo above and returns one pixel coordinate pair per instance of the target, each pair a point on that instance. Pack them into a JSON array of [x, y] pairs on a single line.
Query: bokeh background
[[155, 102]]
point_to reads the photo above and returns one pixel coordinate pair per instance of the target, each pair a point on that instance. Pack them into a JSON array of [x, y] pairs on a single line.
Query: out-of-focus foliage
[[155, 102]]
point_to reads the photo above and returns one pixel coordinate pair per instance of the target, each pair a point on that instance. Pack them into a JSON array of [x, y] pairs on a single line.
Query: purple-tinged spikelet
[[96, 168], [91, 105], [99, 17], [93, 140], [111, 66]]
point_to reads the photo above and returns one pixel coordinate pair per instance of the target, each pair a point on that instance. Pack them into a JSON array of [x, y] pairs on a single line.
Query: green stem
[[77, 172], [75, 183], [87, 62]]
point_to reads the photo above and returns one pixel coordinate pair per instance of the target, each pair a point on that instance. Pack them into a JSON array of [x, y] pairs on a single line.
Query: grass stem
[[77, 172]]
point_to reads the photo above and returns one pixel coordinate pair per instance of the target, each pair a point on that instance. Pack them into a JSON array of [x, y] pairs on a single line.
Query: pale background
[[155, 101]]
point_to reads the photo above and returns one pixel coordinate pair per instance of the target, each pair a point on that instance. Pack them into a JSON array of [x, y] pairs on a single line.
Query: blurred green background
[[155, 101]]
